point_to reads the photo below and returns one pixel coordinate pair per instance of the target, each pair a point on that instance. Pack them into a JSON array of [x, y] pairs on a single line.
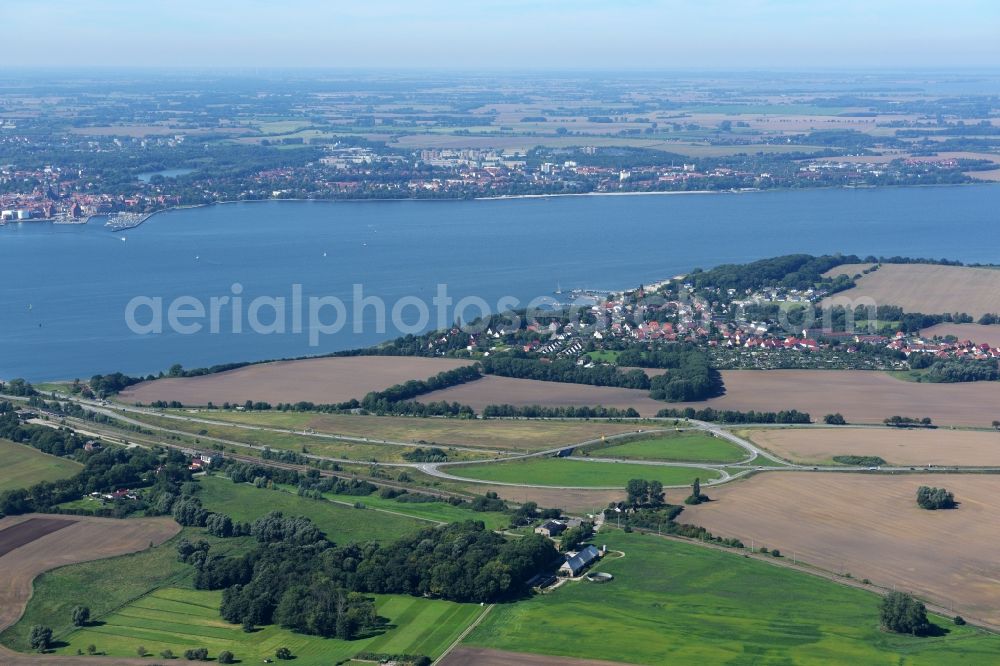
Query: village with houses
[[593, 325]]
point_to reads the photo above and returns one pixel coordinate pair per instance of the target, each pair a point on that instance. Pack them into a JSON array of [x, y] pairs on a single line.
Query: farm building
[[551, 528], [576, 563]]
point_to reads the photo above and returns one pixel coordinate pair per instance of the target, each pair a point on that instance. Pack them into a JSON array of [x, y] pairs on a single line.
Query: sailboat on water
[[558, 288]]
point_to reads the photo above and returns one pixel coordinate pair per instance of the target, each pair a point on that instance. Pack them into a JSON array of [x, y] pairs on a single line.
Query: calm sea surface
[[65, 288]]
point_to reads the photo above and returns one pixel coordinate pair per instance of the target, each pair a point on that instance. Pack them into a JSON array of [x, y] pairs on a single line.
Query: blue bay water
[[66, 288]]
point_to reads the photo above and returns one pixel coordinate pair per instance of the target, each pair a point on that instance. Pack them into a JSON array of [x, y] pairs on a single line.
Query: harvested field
[[498, 434], [318, 380], [861, 396], [86, 538], [25, 532], [493, 390], [473, 656], [991, 176], [925, 288], [506, 435], [896, 446], [569, 500], [978, 333], [870, 526]]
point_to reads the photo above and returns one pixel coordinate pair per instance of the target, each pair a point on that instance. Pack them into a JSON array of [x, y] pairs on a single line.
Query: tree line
[[564, 370], [538, 411], [731, 416]]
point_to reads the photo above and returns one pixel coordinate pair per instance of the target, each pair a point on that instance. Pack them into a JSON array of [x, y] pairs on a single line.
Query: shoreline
[[512, 197]]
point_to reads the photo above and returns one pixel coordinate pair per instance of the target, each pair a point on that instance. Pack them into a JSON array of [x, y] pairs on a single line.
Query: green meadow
[[579, 473], [439, 512], [342, 524], [679, 603], [24, 466], [106, 585], [178, 619], [684, 446]]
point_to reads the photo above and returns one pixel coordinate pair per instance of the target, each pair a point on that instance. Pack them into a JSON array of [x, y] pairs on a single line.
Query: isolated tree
[[934, 498], [996, 425], [283, 653], [141, 650], [167, 654], [835, 419], [81, 616], [40, 638], [696, 496], [226, 657], [91, 649], [903, 614]]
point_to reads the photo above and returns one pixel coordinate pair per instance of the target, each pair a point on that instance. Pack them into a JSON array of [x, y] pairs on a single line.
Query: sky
[[508, 34]]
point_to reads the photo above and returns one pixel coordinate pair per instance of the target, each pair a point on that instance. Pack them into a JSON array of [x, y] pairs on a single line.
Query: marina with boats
[[125, 220]]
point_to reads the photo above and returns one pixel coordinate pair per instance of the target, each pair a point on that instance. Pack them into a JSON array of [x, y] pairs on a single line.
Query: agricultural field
[[978, 333], [870, 526], [578, 473], [439, 512], [84, 539], [495, 390], [918, 447], [501, 435], [466, 655], [924, 288], [244, 503], [682, 446], [580, 500], [289, 441], [178, 619], [318, 380], [673, 602], [24, 466], [861, 396]]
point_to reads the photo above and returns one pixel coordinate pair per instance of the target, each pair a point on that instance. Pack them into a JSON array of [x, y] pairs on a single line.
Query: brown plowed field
[[577, 500], [861, 396], [25, 532], [318, 380], [494, 390], [978, 333], [896, 446], [86, 538], [925, 288], [870, 526]]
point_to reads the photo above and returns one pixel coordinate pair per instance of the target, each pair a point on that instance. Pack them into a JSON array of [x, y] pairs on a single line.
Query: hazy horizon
[[642, 35]]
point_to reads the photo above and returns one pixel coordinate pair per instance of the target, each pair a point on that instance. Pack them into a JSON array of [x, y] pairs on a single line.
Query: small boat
[[558, 288]]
